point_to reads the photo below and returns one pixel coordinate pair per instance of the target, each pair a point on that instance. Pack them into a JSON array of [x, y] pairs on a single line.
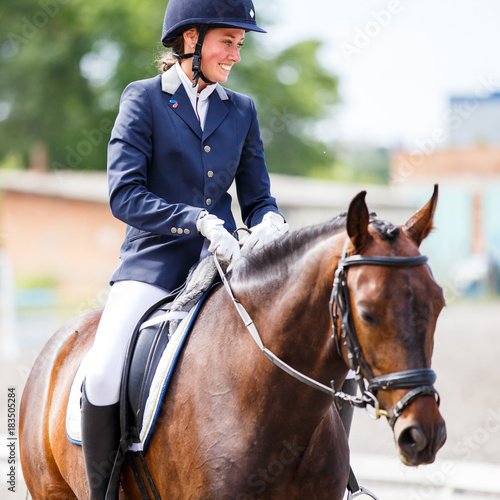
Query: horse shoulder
[[325, 463]]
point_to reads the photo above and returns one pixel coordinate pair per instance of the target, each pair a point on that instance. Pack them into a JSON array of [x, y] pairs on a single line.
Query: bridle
[[420, 380]]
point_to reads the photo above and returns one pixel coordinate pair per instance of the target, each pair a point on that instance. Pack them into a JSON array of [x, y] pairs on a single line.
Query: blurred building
[[474, 121], [468, 172], [58, 231], [57, 228]]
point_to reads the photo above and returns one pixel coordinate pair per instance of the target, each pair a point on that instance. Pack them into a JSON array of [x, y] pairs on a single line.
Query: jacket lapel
[[177, 99], [217, 111]]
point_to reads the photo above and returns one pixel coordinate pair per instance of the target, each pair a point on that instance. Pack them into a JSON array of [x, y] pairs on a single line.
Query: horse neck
[[295, 324]]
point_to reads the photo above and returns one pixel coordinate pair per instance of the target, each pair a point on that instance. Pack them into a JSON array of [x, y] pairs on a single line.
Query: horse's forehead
[[389, 288], [391, 240], [386, 280]]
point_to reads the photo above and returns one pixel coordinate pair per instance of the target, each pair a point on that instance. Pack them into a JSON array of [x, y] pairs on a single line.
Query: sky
[[398, 61]]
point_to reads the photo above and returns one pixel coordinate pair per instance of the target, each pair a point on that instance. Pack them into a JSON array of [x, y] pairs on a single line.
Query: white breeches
[[127, 302]]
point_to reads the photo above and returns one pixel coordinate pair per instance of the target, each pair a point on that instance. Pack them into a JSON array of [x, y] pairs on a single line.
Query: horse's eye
[[369, 318]]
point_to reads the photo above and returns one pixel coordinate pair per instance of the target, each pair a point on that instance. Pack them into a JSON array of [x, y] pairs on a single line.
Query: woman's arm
[[129, 157]]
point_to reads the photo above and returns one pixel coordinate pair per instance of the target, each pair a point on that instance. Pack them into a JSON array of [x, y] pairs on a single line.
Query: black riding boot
[[100, 441], [350, 387]]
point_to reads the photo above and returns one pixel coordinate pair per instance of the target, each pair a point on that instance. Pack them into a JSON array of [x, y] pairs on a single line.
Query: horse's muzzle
[[418, 441]]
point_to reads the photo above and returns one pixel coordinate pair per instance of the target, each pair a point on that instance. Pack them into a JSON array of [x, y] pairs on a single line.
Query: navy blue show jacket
[[163, 170]]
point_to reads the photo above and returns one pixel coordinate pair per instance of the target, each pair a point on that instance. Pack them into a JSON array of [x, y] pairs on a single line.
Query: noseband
[[420, 380]]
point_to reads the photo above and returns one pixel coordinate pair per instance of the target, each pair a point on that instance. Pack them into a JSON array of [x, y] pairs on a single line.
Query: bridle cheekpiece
[[420, 380]]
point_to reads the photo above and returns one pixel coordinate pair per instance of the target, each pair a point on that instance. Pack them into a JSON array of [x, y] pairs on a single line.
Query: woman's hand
[[272, 227], [222, 244]]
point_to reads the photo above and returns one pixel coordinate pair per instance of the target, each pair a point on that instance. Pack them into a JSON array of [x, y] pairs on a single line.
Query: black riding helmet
[[182, 15]]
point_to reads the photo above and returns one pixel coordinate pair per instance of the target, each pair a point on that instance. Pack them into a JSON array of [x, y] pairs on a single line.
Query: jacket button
[[208, 201], [210, 174], [207, 149], [187, 231], [174, 230]]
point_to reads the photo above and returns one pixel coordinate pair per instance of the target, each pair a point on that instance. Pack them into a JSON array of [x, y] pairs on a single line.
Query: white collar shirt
[[199, 100]]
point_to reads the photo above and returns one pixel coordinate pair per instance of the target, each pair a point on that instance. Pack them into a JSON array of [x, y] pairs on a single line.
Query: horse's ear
[[357, 221], [419, 226]]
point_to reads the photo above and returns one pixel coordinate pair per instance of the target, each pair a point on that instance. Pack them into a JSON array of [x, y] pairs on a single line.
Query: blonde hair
[[166, 58]]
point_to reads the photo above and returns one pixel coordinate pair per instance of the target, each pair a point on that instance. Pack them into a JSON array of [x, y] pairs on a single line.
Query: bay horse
[[236, 426]]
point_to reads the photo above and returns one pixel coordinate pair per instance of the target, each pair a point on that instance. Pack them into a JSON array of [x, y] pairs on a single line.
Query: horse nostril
[[441, 436], [412, 440]]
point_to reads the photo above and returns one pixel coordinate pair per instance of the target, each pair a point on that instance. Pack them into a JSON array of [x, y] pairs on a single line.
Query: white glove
[[225, 246], [272, 227]]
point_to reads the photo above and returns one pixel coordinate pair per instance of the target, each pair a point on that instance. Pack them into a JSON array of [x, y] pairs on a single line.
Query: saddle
[[150, 341], [153, 350], [142, 361]]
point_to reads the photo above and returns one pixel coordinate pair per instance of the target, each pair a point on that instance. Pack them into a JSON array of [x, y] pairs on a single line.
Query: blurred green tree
[[292, 92], [65, 63]]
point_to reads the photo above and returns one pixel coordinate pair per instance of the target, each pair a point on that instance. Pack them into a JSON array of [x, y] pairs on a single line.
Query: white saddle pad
[[158, 389]]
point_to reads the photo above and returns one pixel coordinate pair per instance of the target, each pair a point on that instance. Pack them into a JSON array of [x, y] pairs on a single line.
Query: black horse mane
[[275, 257]]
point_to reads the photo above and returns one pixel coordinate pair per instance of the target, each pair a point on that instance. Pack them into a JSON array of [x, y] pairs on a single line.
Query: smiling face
[[221, 50]]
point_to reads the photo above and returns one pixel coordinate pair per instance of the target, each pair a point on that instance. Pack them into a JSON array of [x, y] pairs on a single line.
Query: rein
[[421, 380], [338, 396]]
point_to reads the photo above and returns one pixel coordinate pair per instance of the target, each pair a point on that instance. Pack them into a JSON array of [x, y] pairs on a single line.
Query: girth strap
[[133, 457]]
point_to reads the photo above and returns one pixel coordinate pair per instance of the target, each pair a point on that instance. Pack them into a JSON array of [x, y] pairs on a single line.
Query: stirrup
[[361, 491]]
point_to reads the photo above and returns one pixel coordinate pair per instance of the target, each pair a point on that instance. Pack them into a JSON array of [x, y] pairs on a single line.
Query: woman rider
[[179, 141]]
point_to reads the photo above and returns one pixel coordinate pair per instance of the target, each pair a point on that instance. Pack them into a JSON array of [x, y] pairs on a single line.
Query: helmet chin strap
[[196, 55]]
